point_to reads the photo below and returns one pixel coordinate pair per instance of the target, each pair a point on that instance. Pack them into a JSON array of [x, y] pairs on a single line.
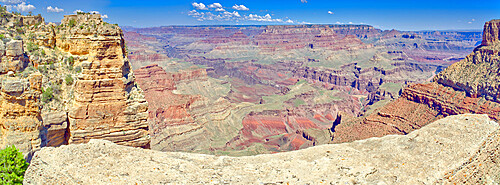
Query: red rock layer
[[276, 38], [239, 37], [418, 105], [165, 107]]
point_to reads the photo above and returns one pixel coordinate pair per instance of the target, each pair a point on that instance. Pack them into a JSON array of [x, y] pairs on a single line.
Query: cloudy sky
[[389, 14]]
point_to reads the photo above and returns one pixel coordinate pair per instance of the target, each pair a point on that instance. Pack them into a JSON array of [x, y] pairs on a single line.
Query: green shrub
[[71, 61], [78, 69], [69, 80], [47, 95], [72, 23], [12, 166], [31, 47]]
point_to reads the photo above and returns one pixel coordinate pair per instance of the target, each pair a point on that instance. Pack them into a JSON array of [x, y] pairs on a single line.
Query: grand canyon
[[86, 101]]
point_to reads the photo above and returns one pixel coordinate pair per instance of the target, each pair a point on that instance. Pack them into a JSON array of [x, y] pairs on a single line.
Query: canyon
[[87, 102]]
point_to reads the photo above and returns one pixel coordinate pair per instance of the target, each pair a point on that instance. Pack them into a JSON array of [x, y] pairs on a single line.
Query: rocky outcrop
[[20, 118], [482, 166], [12, 56], [482, 65], [107, 104], [421, 157], [491, 33], [57, 125]]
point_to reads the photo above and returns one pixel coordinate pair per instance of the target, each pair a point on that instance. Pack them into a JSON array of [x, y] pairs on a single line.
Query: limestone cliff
[[67, 83], [107, 103], [424, 156]]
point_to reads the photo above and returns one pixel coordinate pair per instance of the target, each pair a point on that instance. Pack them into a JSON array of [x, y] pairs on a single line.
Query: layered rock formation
[[424, 156], [477, 74], [67, 84], [107, 103], [468, 86], [183, 121], [276, 38], [20, 114]]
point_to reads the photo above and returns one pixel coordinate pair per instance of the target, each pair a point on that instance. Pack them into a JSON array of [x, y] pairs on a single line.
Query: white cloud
[[54, 9], [199, 6], [94, 12], [12, 1], [303, 1], [265, 18], [194, 13], [330, 12], [218, 13], [23, 7], [209, 16], [78, 11], [104, 16], [234, 14], [240, 7], [215, 5]]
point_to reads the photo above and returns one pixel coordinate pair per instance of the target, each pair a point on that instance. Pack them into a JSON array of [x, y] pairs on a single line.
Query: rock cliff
[[107, 103], [425, 156], [477, 74], [20, 114], [67, 83]]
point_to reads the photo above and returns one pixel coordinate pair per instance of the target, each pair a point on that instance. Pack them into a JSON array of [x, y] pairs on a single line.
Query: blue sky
[[401, 15]]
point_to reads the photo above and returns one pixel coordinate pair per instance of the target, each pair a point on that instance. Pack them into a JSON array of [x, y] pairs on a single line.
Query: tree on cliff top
[[12, 166]]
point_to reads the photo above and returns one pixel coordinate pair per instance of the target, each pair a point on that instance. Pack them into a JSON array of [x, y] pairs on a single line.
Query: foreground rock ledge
[[421, 157]]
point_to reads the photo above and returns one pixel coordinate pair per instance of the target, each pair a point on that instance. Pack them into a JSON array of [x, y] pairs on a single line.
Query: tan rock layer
[[104, 106], [20, 119]]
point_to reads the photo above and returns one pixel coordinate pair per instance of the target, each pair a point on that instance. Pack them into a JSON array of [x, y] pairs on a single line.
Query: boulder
[[57, 128], [13, 86], [14, 48]]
